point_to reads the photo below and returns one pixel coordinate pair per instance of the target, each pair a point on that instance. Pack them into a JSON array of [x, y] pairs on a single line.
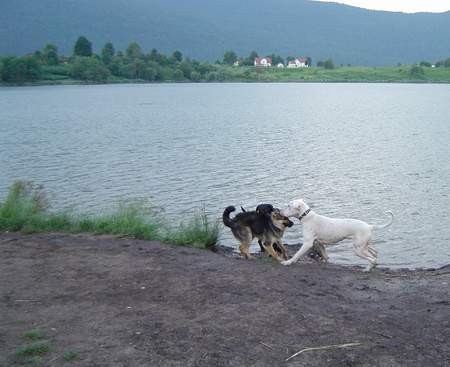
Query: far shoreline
[[143, 82]]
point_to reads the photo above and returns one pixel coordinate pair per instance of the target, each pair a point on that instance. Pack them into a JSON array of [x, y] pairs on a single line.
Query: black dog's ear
[[264, 209], [243, 209]]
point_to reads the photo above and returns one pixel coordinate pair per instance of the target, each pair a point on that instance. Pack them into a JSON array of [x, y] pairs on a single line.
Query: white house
[[280, 65], [263, 61], [299, 62]]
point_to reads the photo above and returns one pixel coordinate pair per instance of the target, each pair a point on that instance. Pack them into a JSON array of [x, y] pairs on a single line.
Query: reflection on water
[[350, 150]]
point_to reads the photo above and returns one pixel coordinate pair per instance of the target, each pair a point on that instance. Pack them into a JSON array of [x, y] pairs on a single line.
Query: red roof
[[259, 59]]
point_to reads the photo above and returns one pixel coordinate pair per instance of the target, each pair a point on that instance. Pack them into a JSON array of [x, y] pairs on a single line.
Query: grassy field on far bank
[[404, 73], [60, 75], [355, 74], [26, 210]]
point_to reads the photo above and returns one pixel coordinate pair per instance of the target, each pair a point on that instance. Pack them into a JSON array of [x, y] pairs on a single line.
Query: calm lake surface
[[350, 150]]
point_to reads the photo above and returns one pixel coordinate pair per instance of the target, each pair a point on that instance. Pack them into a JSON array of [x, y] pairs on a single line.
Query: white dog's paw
[[286, 262]]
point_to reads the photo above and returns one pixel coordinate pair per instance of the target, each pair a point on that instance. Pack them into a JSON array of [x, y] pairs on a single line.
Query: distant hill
[[205, 29]]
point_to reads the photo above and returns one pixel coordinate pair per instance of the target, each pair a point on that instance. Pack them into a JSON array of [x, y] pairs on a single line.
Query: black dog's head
[[264, 209]]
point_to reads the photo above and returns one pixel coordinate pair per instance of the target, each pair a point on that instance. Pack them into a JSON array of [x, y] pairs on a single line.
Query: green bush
[[416, 71], [178, 75], [89, 69], [20, 69], [195, 76]]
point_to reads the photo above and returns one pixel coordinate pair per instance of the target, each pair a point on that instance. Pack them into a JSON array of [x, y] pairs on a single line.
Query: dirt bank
[[122, 302]]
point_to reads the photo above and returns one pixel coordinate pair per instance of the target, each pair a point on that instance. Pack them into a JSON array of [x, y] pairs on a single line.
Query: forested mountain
[[205, 29]]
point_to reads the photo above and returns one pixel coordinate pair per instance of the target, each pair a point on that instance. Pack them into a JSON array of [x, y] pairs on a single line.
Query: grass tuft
[[33, 349], [197, 232], [70, 356], [26, 209], [34, 334]]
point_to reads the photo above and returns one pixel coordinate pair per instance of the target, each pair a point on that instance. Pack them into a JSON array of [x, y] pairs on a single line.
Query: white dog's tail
[[374, 226]]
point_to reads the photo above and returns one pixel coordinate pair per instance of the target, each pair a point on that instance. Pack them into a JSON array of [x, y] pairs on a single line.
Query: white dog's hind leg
[[373, 251], [363, 253], [303, 251]]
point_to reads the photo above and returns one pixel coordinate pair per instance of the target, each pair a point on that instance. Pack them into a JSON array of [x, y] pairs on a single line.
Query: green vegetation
[[70, 356], [31, 354], [26, 209], [34, 349], [83, 47], [197, 231], [34, 334], [134, 65]]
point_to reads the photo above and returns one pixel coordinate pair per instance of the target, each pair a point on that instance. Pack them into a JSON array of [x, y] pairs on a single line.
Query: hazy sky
[[409, 6]]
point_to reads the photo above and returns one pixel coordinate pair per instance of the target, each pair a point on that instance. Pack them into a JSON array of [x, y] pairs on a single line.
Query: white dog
[[328, 231]]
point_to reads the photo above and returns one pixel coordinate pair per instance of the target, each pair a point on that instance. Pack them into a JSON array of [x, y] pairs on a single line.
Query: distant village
[[299, 62]]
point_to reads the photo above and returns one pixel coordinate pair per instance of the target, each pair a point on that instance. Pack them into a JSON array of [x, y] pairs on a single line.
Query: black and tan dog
[[267, 208], [265, 223]]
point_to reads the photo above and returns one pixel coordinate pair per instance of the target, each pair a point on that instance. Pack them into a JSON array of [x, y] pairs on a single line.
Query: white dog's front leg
[[303, 251]]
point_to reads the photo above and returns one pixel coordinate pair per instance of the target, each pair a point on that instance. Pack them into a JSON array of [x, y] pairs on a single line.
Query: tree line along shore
[[47, 66]]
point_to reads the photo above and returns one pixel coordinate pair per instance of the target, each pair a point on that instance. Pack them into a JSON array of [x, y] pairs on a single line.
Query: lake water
[[350, 150]]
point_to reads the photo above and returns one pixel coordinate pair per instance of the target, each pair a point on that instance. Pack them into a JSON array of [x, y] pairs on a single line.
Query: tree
[[20, 69], [1, 69], [447, 63], [425, 63], [83, 47], [50, 55], [320, 63], [204, 68], [108, 53], [154, 55], [177, 56], [116, 65], [133, 51], [158, 58], [89, 68], [186, 67], [328, 64], [137, 68], [229, 57], [250, 60], [276, 59], [308, 61]]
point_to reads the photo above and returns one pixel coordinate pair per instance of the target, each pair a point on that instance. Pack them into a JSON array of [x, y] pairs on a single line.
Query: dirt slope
[[122, 302]]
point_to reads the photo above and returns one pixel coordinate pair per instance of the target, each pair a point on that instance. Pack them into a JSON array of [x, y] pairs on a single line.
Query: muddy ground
[[122, 302]]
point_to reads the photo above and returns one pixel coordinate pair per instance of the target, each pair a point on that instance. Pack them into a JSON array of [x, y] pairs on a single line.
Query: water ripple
[[349, 150]]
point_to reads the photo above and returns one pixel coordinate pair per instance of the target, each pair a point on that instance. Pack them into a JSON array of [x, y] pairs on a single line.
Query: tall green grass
[[26, 209]]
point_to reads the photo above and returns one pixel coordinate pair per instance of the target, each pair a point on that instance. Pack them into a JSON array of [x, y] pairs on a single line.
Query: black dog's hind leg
[[275, 246]]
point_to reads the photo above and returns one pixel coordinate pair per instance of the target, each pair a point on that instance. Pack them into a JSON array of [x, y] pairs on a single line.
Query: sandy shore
[[122, 302]]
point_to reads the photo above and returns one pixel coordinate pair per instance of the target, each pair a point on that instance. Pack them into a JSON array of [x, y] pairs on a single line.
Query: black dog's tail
[[226, 216]]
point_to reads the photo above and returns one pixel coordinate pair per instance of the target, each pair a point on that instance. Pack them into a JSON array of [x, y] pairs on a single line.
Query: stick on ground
[[324, 347]]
